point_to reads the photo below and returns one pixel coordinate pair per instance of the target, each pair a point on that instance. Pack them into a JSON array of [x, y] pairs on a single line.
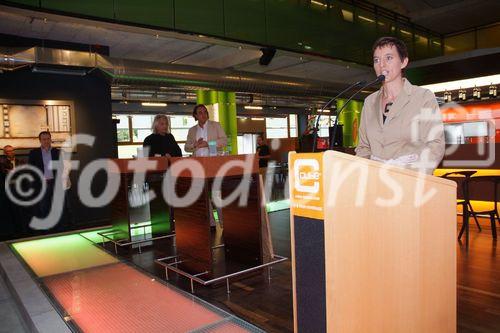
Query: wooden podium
[[242, 224], [373, 246]]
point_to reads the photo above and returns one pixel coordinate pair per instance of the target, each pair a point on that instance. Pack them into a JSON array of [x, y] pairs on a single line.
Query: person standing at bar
[[161, 142], [204, 133], [263, 152], [42, 158], [401, 124]]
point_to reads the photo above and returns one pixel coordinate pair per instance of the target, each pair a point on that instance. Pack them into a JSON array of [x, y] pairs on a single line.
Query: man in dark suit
[[42, 158], [9, 161], [12, 224]]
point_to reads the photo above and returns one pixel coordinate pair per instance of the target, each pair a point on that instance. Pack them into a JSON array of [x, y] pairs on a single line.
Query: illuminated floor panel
[[55, 255], [274, 206], [118, 298]]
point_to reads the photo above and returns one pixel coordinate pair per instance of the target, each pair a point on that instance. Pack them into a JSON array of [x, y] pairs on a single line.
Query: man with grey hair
[[9, 161]]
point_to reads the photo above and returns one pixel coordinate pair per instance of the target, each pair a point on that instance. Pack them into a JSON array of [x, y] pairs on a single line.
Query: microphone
[[380, 78], [316, 126]]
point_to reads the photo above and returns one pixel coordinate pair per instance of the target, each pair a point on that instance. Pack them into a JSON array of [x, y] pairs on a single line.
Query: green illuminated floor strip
[[55, 255], [277, 205]]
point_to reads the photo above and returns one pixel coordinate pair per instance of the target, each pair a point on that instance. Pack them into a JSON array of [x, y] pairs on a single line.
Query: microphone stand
[[316, 126], [380, 78]]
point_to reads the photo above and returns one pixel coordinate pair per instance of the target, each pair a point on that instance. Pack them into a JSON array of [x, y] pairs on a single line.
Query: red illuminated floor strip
[[118, 298]]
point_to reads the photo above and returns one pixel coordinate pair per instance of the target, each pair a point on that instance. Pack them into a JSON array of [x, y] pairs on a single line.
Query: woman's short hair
[[392, 41], [156, 120]]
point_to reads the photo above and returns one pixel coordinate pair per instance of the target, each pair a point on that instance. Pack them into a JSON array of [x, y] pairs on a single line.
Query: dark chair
[[493, 213], [465, 202]]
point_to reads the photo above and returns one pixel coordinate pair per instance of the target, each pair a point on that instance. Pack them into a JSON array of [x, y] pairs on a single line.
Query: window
[[141, 127], [128, 151], [180, 125], [293, 125], [276, 128], [123, 129], [324, 123], [247, 143]]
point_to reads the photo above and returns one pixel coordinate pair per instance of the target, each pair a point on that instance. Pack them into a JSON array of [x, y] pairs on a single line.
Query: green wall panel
[[227, 112], [245, 20], [286, 23], [34, 3], [96, 8], [299, 26], [350, 118], [151, 12], [203, 17]]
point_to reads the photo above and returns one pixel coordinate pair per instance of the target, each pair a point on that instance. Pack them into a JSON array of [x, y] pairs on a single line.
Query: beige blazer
[[214, 132], [414, 126]]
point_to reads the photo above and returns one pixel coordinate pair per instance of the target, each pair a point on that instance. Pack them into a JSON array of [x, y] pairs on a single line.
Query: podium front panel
[[373, 246]]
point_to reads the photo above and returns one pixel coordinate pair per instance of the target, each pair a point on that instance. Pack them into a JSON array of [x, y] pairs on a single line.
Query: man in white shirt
[[203, 134], [200, 137]]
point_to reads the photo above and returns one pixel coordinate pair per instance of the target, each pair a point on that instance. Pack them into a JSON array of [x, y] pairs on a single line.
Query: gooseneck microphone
[[316, 126], [380, 78]]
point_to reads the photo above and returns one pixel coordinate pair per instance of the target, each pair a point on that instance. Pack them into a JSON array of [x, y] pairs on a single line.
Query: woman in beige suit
[[200, 136], [401, 124]]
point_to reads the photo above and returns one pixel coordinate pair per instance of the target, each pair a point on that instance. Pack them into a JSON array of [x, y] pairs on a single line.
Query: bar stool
[[465, 203], [493, 214]]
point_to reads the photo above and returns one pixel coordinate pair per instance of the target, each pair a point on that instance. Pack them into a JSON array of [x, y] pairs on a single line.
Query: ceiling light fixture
[[153, 104], [252, 107], [319, 3], [366, 19]]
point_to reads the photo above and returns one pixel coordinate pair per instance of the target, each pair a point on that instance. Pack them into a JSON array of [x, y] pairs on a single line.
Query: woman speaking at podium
[[401, 124]]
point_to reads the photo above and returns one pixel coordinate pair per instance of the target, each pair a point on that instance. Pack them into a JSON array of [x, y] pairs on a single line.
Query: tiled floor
[[10, 319], [97, 293]]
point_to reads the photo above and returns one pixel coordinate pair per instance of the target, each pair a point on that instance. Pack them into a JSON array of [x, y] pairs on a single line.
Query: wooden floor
[[478, 289], [268, 304]]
